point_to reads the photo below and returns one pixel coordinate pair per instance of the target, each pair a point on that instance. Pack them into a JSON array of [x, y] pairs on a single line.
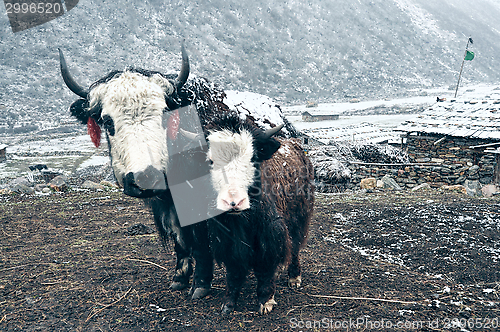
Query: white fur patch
[[268, 306], [136, 104], [232, 170], [295, 282]]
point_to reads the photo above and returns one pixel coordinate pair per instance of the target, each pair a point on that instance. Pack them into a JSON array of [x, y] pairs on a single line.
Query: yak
[[138, 110], [264, 185]]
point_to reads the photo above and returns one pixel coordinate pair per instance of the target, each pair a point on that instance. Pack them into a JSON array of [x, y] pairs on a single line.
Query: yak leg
[[294, 278], [266, 287], [235, 277], [167, 225], [183, 239], [183, 268], [203, 273]]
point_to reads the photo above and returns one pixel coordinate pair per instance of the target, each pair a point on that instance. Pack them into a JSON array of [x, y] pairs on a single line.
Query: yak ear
[[266, 148], [79, 109]]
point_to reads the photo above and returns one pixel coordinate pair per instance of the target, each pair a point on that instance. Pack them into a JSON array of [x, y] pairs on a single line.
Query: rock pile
[[50, 181], [347, 165], [335, 164]]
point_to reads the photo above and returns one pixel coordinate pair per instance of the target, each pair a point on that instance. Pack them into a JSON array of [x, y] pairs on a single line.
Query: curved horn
[[184, 73], [70, 82], [270, 132]]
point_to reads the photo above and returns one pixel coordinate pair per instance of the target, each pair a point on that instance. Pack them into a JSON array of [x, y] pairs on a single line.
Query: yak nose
[[147, 183], [235, 206]]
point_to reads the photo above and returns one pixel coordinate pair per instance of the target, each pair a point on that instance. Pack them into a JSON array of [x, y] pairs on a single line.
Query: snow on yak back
[[265, 186], [138, 110]]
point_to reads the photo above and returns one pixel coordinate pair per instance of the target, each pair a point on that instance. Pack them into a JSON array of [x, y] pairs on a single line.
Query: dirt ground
[[387, 261]]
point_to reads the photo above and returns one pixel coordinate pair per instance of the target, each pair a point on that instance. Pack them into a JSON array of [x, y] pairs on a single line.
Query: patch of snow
[[94, 161], [284, 150], [260, 107], [402, 312], [423, 20]]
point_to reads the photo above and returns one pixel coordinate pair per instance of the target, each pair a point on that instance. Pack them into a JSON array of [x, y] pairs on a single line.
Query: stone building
[[457, 139], [308, 117]]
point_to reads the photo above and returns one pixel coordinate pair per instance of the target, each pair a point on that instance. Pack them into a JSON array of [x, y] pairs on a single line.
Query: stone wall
[[449, 162]]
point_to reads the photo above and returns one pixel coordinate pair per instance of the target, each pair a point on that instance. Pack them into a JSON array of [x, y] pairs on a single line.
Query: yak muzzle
[[148, 183]]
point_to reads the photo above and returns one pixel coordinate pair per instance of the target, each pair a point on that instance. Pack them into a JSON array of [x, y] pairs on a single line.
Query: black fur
[[257, 239], [108, 124], [272, 231], [191, 241]]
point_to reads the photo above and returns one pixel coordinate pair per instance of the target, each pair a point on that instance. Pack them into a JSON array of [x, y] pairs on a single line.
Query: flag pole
[[462, 67]]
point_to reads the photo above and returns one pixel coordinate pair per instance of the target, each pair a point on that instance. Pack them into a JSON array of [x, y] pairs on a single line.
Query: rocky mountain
[[293, 51]]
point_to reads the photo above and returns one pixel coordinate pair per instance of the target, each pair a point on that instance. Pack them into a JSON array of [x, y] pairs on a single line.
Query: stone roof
[[469, 118], [365, 132]]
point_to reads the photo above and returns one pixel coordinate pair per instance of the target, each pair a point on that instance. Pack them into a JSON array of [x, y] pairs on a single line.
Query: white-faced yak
[[137, 110], [265, 186]]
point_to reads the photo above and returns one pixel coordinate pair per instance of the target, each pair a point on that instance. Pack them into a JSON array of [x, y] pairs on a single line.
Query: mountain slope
[[293, 51]]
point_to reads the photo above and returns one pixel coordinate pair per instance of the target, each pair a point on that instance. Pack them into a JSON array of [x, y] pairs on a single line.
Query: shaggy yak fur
[[272, 231], [190, 241]]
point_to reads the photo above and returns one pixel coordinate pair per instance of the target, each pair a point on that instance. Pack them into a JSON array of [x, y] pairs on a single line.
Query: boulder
[[457, 187], [473, 187], [368, 183], [48, 175], [489, 190], [59, 183], [21, 185], [108, 184], [21, 180], [92, 185], [40, 187], [420, 187], [22, 189], [390, 183], [473, 171]]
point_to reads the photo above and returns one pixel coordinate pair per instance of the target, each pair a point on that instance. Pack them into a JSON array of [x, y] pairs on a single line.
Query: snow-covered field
[[65, 154], [375, 121], [375, 126]]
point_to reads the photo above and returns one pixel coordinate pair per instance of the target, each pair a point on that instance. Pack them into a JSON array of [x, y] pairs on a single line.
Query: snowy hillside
[[293, 51], [70, 152]]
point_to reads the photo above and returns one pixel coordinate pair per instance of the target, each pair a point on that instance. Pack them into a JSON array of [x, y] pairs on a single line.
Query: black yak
[[138, 109], [265, 186]]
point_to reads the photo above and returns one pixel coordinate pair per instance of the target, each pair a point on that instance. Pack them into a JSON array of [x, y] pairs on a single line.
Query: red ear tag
[[173, 125], [94, 131]]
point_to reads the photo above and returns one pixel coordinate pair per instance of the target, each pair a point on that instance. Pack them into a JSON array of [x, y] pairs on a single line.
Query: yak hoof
[[176, 285], [295, 282], [227, 309], [199, 293], [267, 307]]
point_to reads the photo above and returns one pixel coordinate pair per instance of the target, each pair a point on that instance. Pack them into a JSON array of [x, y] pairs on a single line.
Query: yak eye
[[109, 124]]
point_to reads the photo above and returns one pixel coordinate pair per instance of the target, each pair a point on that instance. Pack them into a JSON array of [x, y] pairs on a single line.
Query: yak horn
[[270, 132], [70, 82], [184, 73], [190, 135]]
